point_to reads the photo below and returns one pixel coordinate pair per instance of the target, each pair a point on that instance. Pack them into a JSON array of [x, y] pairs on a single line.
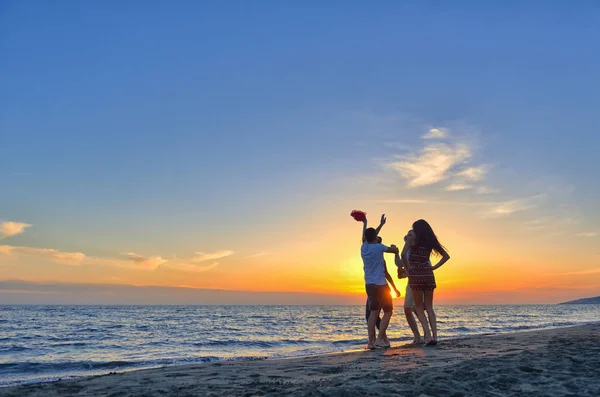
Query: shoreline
[[396, 343], [534, 355]]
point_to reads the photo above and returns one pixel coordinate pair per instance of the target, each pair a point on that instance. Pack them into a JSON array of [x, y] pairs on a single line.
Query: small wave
[[49, 372], [13, 349], [256, 343], [82, 368], [348, 341], [154, 343], [530, 327], [35, 380], [91, 329], [37, 367], [460, 329], [459, 332], [76, 344]]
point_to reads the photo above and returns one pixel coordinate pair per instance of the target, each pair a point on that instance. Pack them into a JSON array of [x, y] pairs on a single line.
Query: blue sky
[[156, 126]]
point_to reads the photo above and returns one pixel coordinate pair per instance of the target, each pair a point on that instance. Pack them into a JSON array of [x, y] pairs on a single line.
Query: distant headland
[[584, 301]]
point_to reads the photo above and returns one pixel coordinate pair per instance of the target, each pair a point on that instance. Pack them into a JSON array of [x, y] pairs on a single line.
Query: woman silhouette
[[415, 256]]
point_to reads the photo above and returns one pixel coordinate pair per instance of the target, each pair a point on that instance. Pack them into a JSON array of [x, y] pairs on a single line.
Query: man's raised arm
[[364, 239]]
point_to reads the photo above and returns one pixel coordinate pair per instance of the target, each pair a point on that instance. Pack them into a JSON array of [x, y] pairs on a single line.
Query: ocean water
[[44, 343]]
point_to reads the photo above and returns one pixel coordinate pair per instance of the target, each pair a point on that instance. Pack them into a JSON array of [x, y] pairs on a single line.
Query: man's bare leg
[[371, 325], [385, 321]]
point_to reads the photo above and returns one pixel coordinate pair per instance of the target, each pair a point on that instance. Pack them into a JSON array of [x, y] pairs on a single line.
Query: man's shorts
[[380, 297], [409, 300]]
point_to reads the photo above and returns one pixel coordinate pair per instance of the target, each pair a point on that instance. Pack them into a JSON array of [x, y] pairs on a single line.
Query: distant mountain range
[[584, 301]]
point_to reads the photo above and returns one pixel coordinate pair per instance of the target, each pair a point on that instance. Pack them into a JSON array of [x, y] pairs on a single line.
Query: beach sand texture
[[556, 362]]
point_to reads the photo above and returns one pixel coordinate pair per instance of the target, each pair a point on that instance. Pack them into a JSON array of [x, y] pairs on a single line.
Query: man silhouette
[[389, 278], [378, 291]]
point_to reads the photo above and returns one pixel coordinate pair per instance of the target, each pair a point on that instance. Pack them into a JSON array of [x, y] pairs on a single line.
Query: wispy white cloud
[[441, 202], [511, 206], [489, 209], [405, 201], [587, 234], [209, 256], [196, 263], [552, 223], [9, 229], [436, 133], [433, 164], [193, 264], [473, 173], [149, 263], [258, 255], [132, 261], [457, 187], [191, 267], [486, 190], [449, 160], [67, 258]]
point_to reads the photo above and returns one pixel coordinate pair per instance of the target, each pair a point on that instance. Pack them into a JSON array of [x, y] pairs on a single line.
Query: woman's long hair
[[426, 237]]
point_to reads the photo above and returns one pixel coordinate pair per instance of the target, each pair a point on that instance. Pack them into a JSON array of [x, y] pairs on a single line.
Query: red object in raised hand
[[358, 215]]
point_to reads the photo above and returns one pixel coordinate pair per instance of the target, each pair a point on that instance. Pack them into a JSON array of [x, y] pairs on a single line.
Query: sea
[[47, 343]]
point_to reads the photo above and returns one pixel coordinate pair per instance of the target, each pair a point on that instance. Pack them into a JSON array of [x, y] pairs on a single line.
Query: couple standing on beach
[[412, 262]]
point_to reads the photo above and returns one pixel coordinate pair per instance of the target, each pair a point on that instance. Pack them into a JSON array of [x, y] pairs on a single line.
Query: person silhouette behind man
[[409, 301]]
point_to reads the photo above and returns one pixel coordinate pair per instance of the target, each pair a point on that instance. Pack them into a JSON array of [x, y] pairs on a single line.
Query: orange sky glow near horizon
[[488, 265]]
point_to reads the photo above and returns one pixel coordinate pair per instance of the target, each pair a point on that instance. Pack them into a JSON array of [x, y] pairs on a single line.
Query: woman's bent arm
[[445, 258]]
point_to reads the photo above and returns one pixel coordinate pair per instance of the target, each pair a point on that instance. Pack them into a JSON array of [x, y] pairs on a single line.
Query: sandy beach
[[557, 362]]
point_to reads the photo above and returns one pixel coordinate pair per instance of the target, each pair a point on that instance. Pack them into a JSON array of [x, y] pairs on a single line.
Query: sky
[[222, 145]]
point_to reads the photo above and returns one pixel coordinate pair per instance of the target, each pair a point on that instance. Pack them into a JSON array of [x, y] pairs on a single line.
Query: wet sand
[[558, 362]]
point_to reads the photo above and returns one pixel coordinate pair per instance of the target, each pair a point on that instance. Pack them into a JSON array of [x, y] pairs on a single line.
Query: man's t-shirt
[[373, 265]]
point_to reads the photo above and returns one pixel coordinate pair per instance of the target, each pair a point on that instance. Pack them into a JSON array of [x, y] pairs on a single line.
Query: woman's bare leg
[[431, 313], [418, 296], [410, 318]]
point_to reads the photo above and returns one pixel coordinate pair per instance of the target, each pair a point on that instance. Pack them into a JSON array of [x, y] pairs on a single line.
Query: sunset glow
[[171, 155]]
